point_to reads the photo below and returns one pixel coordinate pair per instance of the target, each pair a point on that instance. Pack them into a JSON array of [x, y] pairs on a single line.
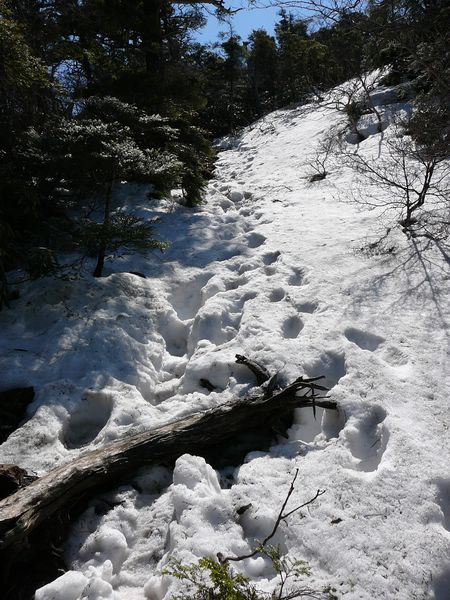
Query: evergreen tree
[[300, 59], [88, 79], [80, 160], [345, 42], [233, 76], [411, 38], [26, 94], [262, 64], [225, 86]]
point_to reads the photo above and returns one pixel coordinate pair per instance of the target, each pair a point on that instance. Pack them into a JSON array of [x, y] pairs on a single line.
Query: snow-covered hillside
[[270, 267]]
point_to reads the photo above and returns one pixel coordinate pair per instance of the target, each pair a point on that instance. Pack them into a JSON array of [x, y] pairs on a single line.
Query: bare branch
[[281, 517]]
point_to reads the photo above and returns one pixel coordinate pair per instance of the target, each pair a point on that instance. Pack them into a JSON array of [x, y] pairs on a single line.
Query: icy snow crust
[[269, 267]]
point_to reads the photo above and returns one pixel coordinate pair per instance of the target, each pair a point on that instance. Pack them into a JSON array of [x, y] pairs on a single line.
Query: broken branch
[[281, 517]]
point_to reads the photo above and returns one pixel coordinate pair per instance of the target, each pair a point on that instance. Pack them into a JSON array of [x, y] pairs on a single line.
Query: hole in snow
[[233, 454], [296, 277], [254, 240], [277, 295], [88, 419], [306, 427], [186, 297], [363, 339], [329, 364], [367, 439], [175, 334], [292, 327], [333, 422], [307, 307], [328, 423], [270, 257]]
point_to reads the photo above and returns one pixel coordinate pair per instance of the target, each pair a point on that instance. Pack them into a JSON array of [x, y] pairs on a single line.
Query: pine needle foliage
[[209, 579], [123, 233]]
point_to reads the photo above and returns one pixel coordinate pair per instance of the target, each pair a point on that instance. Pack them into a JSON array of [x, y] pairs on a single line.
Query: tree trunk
[[98, 271], [152, 37]]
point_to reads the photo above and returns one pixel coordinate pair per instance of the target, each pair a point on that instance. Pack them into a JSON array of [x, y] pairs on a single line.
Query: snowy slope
[[269, 267]]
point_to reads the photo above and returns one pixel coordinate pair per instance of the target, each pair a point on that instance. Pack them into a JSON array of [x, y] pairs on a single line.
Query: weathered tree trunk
[[39, 506]]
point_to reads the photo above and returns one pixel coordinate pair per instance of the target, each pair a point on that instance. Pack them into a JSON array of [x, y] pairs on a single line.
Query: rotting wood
[[41, 503]]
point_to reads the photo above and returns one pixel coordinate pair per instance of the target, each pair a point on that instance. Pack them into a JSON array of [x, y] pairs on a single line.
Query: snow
[[270, 267]]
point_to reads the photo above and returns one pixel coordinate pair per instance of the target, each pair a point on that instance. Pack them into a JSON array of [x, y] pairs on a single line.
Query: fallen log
[[12, 478], [30, 510]]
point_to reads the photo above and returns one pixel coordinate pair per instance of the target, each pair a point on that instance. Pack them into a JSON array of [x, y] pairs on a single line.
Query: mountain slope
[[271, 267]]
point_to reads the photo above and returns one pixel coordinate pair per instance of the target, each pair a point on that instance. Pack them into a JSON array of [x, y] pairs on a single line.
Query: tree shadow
[[195, 240], [421, 265]]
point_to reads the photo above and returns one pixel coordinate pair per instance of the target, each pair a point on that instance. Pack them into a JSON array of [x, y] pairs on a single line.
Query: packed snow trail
[[271, 268]]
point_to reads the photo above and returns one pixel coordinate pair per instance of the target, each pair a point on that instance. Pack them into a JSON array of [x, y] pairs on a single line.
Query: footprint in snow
[[219, 285], [292, 327], [328, 423], [270, 270], [307, 307], [367, 439], [234, 284], [244, 268], [241, 267], [225, 234], [277, 295], [331, 365], [175, 333], [254, 240], [363, 339], [186, 297], [226, 204], [296, 278], [219, 325], [87, 420], [270, 257], [393, 356]]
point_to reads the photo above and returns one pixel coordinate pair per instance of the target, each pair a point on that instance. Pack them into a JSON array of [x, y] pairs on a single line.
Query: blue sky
[[244, 22]]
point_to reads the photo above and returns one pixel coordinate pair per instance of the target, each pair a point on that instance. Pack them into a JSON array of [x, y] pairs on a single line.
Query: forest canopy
[[95, 92]]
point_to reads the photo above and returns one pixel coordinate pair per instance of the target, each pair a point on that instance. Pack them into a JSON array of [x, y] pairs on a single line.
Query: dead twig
[[281, 517]]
